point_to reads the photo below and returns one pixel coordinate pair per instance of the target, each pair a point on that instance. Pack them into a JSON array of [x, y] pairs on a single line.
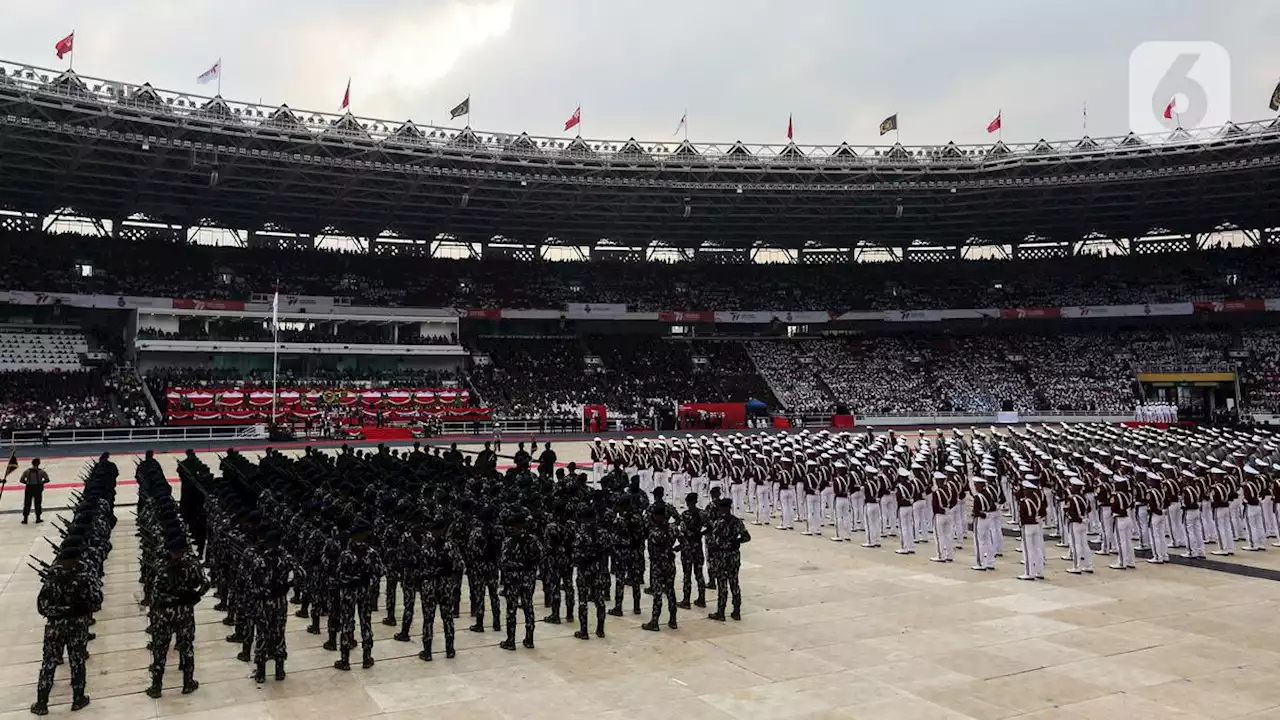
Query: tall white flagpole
[[275, 348]]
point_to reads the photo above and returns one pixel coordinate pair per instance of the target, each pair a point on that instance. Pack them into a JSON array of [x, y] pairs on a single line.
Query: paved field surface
[[829, 631]]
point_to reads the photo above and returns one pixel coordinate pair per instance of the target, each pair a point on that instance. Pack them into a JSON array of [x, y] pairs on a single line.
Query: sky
[[739, 68]]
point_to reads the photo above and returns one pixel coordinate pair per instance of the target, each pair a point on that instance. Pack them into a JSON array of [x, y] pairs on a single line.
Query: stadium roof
[[111, 150]]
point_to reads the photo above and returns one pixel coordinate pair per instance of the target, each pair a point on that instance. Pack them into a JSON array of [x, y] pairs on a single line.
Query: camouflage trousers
[[355, 604], [437, 594], [518, 589], [269, 619], [482, 580], [71, 635], [177, 624], [558, 581], [662, 579]]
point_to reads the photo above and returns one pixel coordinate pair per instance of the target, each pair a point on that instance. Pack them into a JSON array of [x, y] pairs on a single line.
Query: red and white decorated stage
[[352, 406]]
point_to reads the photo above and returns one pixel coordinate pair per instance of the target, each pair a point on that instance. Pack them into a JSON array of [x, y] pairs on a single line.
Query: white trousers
[[873, 524], [1081, 553], [1222, 523], [1177, 527], [844, 518], [944, 536], [1269, 517], [597, 472], [813, 514], [1253, 522], [984, 552], [738, 492], [1124, 541], [859, 511], [888, 513], [1159, 541], [787, 498], [828, 503], [906, 529], [1033, 550], [1195, 532], [764, 504]]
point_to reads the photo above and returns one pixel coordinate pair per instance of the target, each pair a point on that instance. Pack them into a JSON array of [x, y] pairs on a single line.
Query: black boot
[[600, 627], [368, 660], [651, 626], [528, 638], [41, 705], [683, 604], [510, 642], [280, 670], [344, 661], [478, 627], [582, 633], [551, 619], [243, 656], [700, 602], [260, 673], [302, 613], [389, 621], [332, 643], [449, 651], [189, 684], [425, 655], [716, 616], [314, 628], [80, 702], [616, 611], [736, 614], [156, 686]]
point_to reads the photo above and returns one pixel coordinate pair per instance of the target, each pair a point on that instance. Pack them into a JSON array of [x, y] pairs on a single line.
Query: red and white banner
[[257, 399], [1032, 313], [1228, 306], [189, 304], [687, 316]]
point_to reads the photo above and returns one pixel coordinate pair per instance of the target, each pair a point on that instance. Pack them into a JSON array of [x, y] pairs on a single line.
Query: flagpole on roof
[[686, 123], [71, 55], [219, 77], [1000, 130]]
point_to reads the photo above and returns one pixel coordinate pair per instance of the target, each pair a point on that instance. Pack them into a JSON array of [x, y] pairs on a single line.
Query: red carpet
[[387, 434]]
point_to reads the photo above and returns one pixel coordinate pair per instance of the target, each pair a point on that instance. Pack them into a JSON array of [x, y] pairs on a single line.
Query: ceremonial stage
[[828, 631]]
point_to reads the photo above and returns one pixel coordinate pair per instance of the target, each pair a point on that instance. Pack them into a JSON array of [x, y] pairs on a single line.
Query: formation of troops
[[1122, 489], [71, 589], [355, 536]]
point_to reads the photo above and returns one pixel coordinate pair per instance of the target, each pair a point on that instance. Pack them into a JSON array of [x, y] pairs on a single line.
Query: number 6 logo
[[1191, 81]]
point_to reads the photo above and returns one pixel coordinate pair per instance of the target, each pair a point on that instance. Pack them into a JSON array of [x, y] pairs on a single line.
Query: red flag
[[1169, 109], [789, 128], [346, 96], [574, 119], [996, 124], [65, 45]]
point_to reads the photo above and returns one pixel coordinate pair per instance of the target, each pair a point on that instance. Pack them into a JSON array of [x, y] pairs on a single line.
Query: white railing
[[163, 433]]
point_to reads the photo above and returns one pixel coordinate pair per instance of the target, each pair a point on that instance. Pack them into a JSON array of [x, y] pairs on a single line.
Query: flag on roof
[[994, 125], [211, 74], [575, 119], [462, 108], [65, 45], [684, 122], [346, 96], [1170, 109], [889, 124], [1275, 98], [790, 129]]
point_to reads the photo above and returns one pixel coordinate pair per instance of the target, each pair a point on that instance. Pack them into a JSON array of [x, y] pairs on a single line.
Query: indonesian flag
[[684, 122], [789, 127], [996, 124], [211, 74], [574, 119], [65, 45], [346, 96], [1170, 109]]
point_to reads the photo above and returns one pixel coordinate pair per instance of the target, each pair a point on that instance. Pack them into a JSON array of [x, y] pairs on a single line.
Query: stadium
[[184, 271]]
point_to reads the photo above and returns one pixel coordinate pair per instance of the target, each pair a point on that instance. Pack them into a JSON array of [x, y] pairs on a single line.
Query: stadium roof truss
[[111, 150]]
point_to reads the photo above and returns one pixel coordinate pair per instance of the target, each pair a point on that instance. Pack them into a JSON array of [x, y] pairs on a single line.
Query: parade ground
[[829, 630]]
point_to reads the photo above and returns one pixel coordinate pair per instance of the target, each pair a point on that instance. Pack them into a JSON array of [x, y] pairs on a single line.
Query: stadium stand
[[164, 269], [41, 348]]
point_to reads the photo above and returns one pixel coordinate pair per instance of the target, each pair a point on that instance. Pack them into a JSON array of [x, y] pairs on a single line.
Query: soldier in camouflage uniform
[[692, 557], [591, 558], [483, 554], [558, 563], [439, 561], [725, 538], [628, 539], [357, 567], [389, 533], [271, 571], [67, 601], [521, 555], [662, 565], [178, 586]]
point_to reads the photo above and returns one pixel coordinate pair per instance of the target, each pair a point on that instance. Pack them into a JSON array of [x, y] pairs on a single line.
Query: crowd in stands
[[1261, 376], [53, 400], [254, 331], [174, 270], [528, 376]]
